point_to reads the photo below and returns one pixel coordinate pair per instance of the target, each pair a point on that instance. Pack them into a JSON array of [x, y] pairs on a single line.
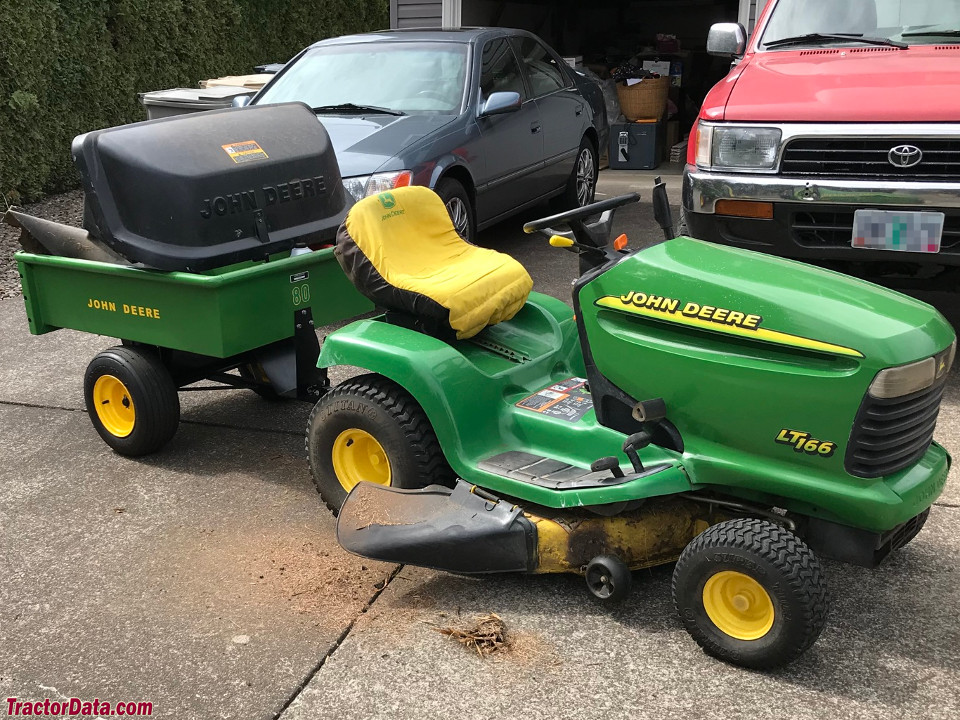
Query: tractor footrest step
[[554, 474]]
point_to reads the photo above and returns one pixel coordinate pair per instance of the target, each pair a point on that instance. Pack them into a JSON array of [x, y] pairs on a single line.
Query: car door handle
[[579, 110], [535, 128]]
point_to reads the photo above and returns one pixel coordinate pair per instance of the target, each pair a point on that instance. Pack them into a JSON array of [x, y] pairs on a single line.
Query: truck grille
[[867, 158], [891, 434], [834, 227]]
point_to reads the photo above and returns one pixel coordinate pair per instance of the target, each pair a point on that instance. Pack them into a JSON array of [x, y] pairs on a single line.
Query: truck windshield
[[826, 22], [396, 78]]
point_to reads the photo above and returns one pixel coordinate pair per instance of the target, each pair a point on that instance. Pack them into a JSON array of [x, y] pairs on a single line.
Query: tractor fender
[[440, 379]]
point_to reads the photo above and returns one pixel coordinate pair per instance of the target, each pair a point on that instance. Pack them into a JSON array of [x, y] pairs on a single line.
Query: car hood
[[364, 143], [862, 84]]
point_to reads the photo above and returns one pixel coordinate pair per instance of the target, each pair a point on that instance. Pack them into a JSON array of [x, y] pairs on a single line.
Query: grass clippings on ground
[[487, 635]]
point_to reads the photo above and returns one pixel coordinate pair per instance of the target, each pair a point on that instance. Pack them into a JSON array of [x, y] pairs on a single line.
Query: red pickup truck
[[835, 139]]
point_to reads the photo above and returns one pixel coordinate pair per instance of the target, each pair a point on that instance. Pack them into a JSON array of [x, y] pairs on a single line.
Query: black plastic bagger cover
[[204, 190]]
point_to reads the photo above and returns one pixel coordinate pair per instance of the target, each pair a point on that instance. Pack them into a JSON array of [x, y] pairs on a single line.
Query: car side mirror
[[727, 40], [500, 103], [240, 101]]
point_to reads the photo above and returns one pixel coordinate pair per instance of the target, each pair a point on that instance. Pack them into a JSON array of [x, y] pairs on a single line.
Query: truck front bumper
[[813, 220]]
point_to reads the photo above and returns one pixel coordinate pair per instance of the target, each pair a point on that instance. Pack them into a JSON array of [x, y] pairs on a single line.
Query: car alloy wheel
[[586, 177], [460, 215]]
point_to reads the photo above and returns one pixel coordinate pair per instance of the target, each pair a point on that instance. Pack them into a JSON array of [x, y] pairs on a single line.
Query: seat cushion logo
[[387, 200]]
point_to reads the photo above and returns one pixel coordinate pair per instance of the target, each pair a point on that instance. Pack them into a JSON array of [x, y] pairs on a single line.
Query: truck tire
[[751, 593], [132, 400], [369, 428]]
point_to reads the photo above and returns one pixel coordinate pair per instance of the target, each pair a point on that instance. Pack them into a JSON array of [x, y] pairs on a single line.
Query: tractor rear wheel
[[132, 400], [371, 429], [751, 593]]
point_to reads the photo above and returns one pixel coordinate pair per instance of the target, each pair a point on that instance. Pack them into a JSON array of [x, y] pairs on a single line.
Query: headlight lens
[[360, 186], [907, 379], [737, 148]]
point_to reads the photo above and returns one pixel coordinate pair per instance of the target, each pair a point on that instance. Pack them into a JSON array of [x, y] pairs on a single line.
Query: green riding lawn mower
[[732, 412]]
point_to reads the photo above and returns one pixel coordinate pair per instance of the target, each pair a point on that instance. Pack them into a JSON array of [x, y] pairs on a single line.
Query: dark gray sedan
[[490, 118]]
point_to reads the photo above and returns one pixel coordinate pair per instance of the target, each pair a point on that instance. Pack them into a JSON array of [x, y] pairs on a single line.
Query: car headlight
[[738, 147], [907, 379], [360, 186]]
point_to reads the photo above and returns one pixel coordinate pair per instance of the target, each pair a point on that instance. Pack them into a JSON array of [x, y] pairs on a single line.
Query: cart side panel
[[217, 315], [262, 301]]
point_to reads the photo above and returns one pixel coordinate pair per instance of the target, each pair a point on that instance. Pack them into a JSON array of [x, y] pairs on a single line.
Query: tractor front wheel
[[132, 400], [371, 429], [751, 593]]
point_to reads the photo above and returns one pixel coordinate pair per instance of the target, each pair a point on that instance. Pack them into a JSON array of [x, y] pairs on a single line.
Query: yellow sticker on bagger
[[717, 319], [245, 151]]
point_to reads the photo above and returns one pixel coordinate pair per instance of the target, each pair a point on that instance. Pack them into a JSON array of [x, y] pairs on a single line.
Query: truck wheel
[[132, 400], [682, 228], [750, 593], [371, 429]]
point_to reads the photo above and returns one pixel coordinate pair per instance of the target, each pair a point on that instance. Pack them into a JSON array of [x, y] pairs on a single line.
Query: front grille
[[866, 158], [834, 227], [889, 435]]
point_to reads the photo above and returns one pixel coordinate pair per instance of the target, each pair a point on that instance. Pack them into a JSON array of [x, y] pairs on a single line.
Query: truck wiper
[[932, 33], [842, 37], [352, 108]]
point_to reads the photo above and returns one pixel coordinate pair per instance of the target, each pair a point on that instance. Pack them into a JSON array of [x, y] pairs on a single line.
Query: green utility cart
[[205, 250]]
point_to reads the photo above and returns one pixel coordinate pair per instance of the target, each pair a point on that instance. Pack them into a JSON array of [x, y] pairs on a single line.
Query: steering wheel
[[581, 213]]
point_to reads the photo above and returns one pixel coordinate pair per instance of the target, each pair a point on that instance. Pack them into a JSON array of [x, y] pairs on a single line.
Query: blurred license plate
[[895, 230]]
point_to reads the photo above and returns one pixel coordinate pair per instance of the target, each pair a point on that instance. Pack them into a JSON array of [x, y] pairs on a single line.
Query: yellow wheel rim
[[358, 456], [114, 406], [738, 605]]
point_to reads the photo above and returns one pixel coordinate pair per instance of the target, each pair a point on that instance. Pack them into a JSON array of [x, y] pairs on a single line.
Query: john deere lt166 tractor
[[734, 412]]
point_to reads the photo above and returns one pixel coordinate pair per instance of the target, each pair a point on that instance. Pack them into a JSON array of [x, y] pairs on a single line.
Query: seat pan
[[401, 250]]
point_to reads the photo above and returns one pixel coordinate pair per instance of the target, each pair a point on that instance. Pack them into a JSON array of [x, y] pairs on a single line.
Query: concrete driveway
[[206, 580]]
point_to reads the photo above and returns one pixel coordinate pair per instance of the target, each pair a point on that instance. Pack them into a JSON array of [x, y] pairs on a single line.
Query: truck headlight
[[737, 147], [907, 379], [360, 186]]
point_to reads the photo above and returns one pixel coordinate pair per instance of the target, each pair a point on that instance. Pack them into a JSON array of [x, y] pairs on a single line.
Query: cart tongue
[[454, 530]]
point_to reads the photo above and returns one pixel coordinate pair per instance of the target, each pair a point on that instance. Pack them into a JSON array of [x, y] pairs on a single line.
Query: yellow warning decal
[[717, 319], [245, 151]]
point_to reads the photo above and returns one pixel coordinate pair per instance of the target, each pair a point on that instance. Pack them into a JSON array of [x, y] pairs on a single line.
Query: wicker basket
[[645, 100]]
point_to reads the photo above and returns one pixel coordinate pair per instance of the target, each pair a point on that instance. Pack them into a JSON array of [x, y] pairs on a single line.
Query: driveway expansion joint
[[336, 645]]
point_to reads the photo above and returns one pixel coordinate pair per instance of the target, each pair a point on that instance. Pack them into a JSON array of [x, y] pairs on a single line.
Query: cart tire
[[131, 400], [369, 428], [751, 593], [608, 578]]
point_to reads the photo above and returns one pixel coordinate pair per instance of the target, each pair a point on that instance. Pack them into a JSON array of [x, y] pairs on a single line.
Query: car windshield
[[402, 77], [825, 22]]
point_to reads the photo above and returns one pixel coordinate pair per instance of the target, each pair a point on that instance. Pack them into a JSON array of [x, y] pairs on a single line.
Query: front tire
[[371, 429], [131, 400], [750, 593], [458, 204]]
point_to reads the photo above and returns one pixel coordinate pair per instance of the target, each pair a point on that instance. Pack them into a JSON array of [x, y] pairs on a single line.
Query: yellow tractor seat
[[400, 249]]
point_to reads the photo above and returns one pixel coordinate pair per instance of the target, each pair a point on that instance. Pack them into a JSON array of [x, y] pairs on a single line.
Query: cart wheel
[[608, 578], [751, 593], [369, 428], [132, 400]]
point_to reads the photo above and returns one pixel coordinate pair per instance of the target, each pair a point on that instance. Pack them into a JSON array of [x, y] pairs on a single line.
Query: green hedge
[[70, 66]]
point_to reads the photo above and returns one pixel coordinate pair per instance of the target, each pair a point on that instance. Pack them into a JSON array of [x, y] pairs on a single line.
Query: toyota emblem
[[905, 156]]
